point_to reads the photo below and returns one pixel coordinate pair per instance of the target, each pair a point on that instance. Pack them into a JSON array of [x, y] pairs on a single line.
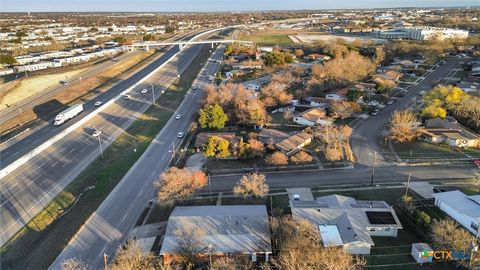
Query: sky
[[214, 5]]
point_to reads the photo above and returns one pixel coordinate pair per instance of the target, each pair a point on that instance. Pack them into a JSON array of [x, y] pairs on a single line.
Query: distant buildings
[[421, 33]]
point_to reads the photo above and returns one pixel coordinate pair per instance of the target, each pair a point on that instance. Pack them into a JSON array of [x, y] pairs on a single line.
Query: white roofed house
[[347, 222], [462, 208], [450, 132], [224, 229], [311, 117]]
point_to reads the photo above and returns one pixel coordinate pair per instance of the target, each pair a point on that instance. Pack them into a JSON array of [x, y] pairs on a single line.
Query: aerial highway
[[27, 189], [109, 225], [18, 148]]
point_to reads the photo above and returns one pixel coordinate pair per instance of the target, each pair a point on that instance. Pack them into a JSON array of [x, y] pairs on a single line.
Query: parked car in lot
[[391, 101], [181, 134], [98, 103], [296, 197], [96, 133], [126, 97], [144, 91]]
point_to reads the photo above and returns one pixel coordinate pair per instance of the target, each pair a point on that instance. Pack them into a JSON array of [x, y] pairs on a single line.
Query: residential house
[[319, 102], [226, 230], [389, 75], [311, 117], [272, 136], [450, 132], [340, 94], [347, 222], [294, 143], [460, 207]]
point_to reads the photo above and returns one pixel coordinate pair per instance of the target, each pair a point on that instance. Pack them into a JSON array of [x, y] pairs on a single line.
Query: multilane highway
[[27, 190], [109, 225]]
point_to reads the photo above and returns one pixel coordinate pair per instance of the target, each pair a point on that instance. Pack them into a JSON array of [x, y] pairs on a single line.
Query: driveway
[[305, 193]]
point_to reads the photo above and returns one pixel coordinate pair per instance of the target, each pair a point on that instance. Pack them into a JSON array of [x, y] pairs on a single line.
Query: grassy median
[[38, 244]]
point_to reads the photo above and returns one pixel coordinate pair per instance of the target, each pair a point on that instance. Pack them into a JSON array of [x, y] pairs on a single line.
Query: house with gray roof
[[460, 207], [225, 229], [347, 222], [450, 132]]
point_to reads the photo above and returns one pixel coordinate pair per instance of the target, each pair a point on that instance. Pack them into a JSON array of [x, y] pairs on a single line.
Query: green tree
[[169, 29], [216, 147], [20, 34], [277, 58], [8, 59], [110, 29], [148, 37], [422, 218], [119, 39], [353, 95], [212, 116], [228, 49], [93, 29]]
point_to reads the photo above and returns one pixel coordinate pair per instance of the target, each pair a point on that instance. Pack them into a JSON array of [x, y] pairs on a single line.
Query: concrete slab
[[196, 161], [305, 193], [424, 189]]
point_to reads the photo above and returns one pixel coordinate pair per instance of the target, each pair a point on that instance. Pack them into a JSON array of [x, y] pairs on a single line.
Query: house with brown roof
[[340, 94], [450, 132], [272, 136], [389, 75], [294, 143], [311, 117]]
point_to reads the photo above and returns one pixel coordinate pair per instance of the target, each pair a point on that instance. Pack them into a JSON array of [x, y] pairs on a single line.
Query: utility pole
[[373, 167], [105, 261], [408, 183], [100, 145]]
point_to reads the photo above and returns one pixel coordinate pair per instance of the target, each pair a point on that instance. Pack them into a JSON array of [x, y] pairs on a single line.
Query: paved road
[[365, 139], [30, 187], [358, 175], [26, 144], [112, 221]]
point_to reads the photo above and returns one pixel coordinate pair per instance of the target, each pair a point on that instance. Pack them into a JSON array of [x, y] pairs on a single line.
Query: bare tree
[[74, 264], [333, 154], [293, 239], [447, 233], [131, 257], [404, 126], [252, 184], [343, 109], [275, 94], [190, 246], [301, 157], [277, 159], [175, 185]]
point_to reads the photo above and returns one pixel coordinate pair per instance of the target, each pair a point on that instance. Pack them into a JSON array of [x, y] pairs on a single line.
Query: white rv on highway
[[68, 114]]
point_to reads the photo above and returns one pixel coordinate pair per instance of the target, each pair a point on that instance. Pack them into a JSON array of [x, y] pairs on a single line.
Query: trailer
[[68, 114]]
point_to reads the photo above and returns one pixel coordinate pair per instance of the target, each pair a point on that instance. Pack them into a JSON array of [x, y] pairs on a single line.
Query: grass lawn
[[32, 85], [267, 39], [44, 237], [423, 151], [278, 118], [161, 212]]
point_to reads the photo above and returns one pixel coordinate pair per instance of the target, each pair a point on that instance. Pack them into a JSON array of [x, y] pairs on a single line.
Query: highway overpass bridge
[[181, 44]]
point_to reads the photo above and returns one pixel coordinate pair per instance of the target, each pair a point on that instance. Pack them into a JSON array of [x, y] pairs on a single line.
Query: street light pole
[[100, 145], [153, 93], [373, 167]]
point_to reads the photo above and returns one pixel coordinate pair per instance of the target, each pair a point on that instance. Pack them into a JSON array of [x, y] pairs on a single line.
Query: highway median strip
[[44, 237]]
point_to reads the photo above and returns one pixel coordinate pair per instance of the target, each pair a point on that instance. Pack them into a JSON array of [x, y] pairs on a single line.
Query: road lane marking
[[71, 150], [54, 164], [83, 149]]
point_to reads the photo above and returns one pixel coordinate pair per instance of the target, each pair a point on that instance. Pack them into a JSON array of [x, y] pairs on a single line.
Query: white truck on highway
[[68, 114]]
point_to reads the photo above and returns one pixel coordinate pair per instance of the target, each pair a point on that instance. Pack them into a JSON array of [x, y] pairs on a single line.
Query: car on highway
[[180, 134], [194, 87], [126, 97], [144, 91], [98, 103], [477, 162], [64, 82], [391, 101], [401, 94], [96, 133], [296, 197], [178, 116], [375, 112]]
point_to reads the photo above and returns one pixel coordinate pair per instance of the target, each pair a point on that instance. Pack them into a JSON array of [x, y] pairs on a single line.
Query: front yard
[[418, 151]]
